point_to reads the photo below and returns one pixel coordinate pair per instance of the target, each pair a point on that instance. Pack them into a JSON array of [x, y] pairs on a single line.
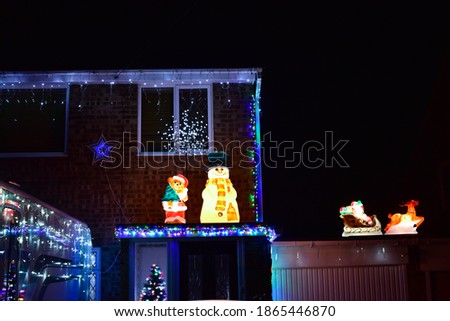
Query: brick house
[[100, 146]]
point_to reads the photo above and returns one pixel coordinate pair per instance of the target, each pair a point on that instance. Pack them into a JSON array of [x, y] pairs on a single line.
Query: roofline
[[154, 77]]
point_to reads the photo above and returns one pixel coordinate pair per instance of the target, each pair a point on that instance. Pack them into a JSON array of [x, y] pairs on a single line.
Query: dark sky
[[363, 72]]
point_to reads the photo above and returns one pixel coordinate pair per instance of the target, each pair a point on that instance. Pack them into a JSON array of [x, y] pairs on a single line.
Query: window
[[175, 120], [33, 121]]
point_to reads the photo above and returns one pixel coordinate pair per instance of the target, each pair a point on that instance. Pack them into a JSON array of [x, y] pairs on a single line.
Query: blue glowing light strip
[[177, 231], [259, 213], [49, 232]]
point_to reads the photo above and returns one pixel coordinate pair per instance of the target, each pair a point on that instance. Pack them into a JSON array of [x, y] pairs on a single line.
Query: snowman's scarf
[[223, 187]]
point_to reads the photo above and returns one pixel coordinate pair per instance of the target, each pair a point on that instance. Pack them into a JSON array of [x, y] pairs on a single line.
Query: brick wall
[[130, 190]]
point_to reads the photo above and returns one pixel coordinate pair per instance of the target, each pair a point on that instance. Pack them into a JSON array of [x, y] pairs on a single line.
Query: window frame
[[47, 86], [176, 116]]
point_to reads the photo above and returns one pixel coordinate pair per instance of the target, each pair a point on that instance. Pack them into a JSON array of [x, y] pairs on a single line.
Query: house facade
[[101, 146]]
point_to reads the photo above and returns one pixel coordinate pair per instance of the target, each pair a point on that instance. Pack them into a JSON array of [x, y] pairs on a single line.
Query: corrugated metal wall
[[340, 283], [339, 271]]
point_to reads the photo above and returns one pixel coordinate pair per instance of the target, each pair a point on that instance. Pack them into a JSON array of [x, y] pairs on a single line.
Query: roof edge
[[139, 76]]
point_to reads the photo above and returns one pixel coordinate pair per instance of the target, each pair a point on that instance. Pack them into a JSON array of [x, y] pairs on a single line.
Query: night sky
[[365, 73]]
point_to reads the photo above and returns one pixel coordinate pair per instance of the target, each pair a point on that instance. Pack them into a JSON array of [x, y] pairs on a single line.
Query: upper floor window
[[33, 121], [175, 120]]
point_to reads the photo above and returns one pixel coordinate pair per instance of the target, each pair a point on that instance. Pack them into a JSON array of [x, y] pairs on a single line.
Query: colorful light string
[[180, 231], [255, 153]]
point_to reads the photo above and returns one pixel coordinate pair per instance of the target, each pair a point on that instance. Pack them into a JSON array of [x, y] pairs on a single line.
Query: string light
[[179, 231], [256, 124], [254, 153], [42, 230], [226, 86], [154, 287], [189, 133], [156, 78]]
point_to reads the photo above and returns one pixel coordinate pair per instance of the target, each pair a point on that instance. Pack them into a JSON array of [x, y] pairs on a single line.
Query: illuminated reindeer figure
[[406, 223]]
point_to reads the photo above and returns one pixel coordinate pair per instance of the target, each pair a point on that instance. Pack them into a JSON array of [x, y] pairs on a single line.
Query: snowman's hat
[[216, 159]]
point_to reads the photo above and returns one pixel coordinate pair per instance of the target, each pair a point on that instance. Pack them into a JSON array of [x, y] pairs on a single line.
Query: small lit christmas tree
[[154, 287]]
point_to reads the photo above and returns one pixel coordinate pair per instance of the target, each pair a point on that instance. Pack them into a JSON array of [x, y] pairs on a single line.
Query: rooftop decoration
[[406, 223], [357, 222]]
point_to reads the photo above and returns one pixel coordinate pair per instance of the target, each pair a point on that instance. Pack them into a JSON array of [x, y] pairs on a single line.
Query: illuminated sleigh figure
[[406, 223], [357, 223]]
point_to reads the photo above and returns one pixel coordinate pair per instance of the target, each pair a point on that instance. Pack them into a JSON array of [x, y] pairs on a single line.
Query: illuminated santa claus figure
[[174, 198], [357, 222]]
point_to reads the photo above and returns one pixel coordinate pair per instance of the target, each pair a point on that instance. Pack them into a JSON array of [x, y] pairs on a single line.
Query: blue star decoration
[[101, 149]]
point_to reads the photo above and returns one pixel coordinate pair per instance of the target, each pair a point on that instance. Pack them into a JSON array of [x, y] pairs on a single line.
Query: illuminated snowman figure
[[219, 197]]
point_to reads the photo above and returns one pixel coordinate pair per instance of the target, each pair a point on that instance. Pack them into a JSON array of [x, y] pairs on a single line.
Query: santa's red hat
[[182, 179]]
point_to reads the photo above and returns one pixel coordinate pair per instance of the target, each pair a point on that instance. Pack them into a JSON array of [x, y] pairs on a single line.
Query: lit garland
[[180, 231], [255, 154]]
